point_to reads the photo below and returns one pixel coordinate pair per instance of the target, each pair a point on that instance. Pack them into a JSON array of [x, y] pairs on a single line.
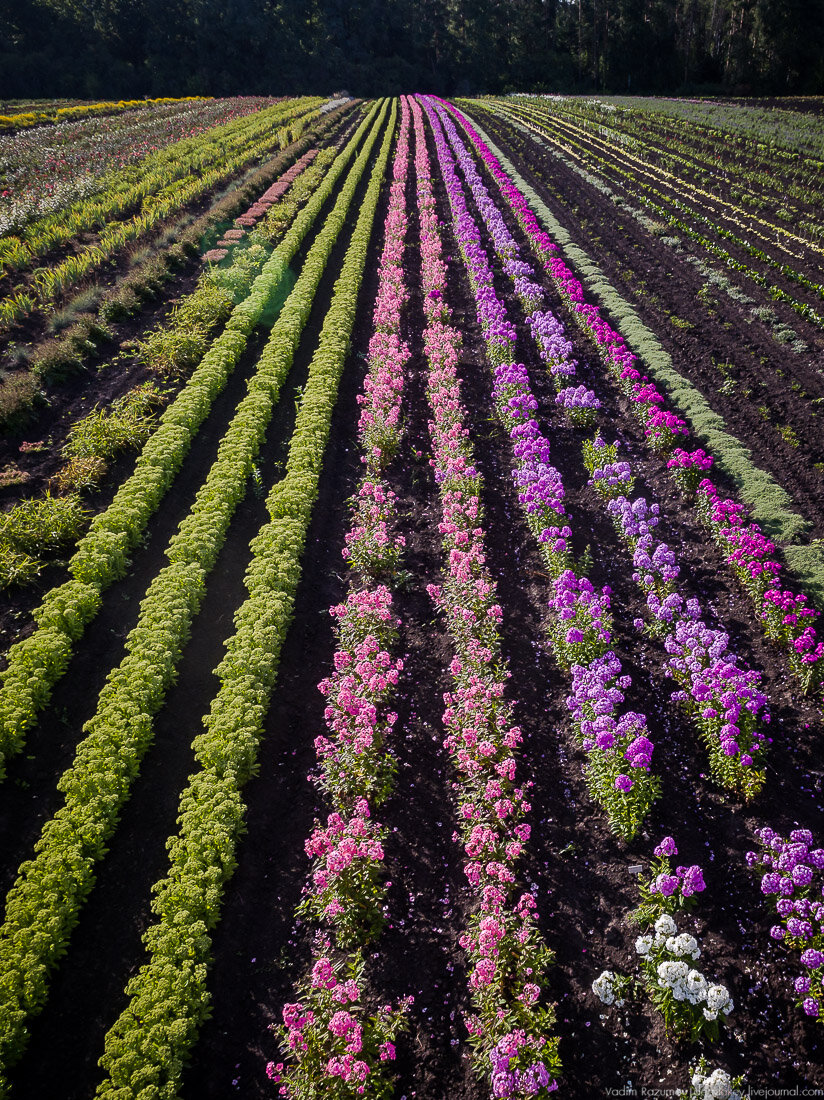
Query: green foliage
[[102, 555], [43, 905], [43, 526], [20, 393], [106, 432]]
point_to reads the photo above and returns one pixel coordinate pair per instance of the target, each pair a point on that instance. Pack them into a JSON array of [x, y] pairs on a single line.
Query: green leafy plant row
[[639, 188], [87, 338], [43, 906], [590, 142], [36, 663], [147, 1047], [41, 115]]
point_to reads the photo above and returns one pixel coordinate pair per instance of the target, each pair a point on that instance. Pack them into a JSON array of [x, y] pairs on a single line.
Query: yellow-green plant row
[[42, 907], [35, 664], [147, 1047], [27, 119]]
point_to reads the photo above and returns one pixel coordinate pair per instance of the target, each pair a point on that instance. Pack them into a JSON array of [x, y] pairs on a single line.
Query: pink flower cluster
[[372, 548]]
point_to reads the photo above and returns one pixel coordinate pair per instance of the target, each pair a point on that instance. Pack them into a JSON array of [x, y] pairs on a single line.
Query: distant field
[[411, 566]]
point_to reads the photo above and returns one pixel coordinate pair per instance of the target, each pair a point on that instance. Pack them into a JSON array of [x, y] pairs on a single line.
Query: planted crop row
[[43, 115], [36, 663], [510, 1030], [43, 905], [580, 628], [722, 698], [168, 996], [50, 283], [652, 198]]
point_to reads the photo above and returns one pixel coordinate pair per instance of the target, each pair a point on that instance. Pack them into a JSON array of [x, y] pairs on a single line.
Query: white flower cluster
[[674, 974], [603, 987], [716, 1086]]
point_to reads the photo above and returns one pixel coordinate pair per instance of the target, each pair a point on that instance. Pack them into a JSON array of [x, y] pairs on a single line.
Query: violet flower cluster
[[580, 405], [581, 629], [509, 1029], [792, 871], [722, 698], [663, 429], [335, 1047]]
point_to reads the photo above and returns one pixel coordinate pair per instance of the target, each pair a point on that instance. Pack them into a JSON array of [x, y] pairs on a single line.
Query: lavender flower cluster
[[747, 551], [792, 871]]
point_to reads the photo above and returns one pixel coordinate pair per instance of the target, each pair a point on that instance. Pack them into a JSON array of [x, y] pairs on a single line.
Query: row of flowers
[[43, 170], [169, 995], [618, 749], [723, 699], [334, 1046], [510, 1031], [680, 992], [792, 874], [786, 616]]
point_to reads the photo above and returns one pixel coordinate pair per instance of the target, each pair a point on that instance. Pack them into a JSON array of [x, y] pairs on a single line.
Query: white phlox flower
[[602, 987], [665, 926], [682, 945], [718, 1000], [696, 986]]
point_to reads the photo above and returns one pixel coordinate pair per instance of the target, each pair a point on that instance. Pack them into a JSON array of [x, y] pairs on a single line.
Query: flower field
[[411, 566]]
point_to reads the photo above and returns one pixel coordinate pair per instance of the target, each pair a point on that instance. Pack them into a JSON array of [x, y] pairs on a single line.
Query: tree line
[[128, 48]]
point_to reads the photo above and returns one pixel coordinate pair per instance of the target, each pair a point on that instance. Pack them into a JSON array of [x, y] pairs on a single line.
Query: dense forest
[[93, 48]]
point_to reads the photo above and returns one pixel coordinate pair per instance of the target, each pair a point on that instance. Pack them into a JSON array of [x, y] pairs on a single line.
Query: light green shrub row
[[36, 663], [147, 1047], [51, 282], [43, 906]]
